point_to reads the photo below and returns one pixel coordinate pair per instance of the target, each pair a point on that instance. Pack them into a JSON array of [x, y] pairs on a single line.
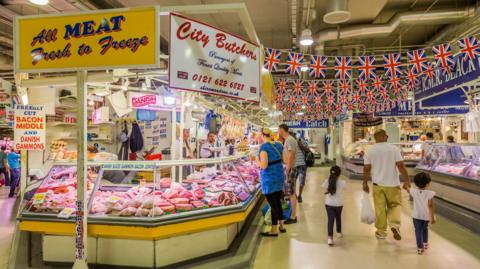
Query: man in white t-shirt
[[384, 163]]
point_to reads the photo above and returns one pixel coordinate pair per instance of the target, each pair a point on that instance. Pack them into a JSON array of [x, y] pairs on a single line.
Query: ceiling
[[278, 22]]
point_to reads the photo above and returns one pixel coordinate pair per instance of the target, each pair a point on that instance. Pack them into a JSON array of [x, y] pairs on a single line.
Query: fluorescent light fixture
[[304, 68], [39, 2], [306, 37], [169, 100], [25, 99], [300, 113], [303, 107]]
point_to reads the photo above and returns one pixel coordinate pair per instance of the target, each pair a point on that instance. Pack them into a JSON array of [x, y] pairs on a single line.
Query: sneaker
[[396, 233], [339, 235], [300, 199], [291, 221], [330, 241], [425, 245], [420, 251], [379, 236]]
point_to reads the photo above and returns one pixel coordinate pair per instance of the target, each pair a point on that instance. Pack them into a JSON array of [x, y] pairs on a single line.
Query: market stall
[[121, 163]]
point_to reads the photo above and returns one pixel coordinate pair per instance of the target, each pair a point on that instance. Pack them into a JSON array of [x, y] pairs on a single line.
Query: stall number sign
[[91, 40], [29, 127], [206, 59]]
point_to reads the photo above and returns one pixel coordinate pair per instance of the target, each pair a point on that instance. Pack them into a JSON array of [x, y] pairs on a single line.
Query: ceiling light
[[169, 100], [300, 113], [303, 107], [304, 68], [39, 2], [306, 37]]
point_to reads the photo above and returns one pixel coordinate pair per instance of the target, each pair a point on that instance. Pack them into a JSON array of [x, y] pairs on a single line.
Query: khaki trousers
[[388, 206]]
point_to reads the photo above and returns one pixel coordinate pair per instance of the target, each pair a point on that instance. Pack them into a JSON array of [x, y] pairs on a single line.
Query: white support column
[[182, 126], [81, 215], [173, 151]]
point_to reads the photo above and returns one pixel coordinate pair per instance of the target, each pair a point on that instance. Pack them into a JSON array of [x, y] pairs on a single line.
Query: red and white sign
[[206, 59], [147, 101], [29, 127]]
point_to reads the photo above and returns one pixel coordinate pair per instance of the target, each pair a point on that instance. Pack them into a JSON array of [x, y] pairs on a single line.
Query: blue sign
[[447, 103], [465, 71], [307, 124]]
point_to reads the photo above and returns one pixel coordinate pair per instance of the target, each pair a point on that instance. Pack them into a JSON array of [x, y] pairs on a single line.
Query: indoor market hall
[[239, 134]]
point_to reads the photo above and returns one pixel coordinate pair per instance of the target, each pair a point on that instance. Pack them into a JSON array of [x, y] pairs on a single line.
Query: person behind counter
[[450, 139], [208, 149]]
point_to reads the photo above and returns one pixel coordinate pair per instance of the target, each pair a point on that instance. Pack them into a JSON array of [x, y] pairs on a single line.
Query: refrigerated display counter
[[131, 206], [455, 173]]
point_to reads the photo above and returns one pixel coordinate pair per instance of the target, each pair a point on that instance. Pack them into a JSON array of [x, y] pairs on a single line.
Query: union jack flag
[[343, 99], [312, 88], [318, 66], [297, 87], [356, 97], [318, 99], [282, 86], [339, 107], [343, 67], [469, 48], [370, 95], [412, 79], [327, 87], [294, 63], [280, 106], [272, 59], [279, 97], [392, 65], [330, 99], [344, 86], [362, 85], [383, 92], [328, 108], [378, 83], [304, 99], [318, 108], [395, 84], [429, 71], [308, 109], [366, 67], [350, 105], [292, 100], [417, 61], [444, 57]]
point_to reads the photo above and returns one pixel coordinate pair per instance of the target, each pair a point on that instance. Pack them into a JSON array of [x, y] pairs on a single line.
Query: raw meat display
[[451, 168], [58, 190], [201, 190]]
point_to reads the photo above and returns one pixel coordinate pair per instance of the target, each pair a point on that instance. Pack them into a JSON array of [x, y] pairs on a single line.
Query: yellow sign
[[116, 38]]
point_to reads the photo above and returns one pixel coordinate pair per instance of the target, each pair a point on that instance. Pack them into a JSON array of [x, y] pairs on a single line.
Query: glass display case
[[411, 151], [461, 160], [356, 150], [142, 191]]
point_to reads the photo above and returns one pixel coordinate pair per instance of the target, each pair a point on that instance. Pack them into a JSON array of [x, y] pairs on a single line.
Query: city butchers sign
[[90, 40], [206, 59]]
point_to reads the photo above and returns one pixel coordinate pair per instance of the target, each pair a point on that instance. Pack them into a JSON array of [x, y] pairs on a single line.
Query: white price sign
[[29, 127], [206, 59]]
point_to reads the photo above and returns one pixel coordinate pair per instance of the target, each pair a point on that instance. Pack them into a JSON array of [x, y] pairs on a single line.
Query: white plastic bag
[[367, 214]]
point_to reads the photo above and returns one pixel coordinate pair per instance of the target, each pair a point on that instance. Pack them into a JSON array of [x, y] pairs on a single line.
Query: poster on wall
[[88, 40], [206, 59], [29, 127]]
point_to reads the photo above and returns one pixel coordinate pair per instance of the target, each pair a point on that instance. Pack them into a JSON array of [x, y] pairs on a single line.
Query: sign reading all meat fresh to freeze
[[29, 127], [206, 59]]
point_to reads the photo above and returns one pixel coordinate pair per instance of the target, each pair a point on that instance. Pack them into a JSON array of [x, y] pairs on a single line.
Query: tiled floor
[[7, 216], [304, 245]]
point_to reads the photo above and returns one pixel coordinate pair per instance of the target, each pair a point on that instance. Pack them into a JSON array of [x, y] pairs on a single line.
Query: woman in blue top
[[272, 179], [13, 159]]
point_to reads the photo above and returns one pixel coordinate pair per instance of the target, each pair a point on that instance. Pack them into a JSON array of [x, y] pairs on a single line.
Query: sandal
[[268, 234]]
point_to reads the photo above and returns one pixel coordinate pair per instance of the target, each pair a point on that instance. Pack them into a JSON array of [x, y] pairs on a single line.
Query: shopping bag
[[267, 216], [367, 214]]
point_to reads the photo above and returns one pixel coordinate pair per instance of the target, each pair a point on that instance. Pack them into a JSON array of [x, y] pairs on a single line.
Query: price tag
[[66, 213], [39, 198], [113, 199]]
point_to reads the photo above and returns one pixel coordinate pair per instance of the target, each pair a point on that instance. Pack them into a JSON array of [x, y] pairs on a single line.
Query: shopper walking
[[301, 165], [334, 202], [4, 169], [14, 163], [423, 210], [384, 162], [291, 171], [272, 180]]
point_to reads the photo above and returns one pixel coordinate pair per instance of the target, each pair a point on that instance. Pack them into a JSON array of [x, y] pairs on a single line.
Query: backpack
[[309, 156]]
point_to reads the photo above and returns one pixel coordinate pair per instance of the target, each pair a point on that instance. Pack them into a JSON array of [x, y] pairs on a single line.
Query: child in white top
[[334, 202], [423, 210]]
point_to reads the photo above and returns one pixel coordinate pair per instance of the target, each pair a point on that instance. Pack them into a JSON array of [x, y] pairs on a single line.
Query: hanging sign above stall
[[307, 124], [465, 72], [117, 38], [448, 103], [206, 59], [29, 127], [366, 120]]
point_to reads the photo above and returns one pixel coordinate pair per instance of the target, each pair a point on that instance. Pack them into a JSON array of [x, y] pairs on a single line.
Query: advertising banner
[[206, 59], [466, 71], [402, 109], [447, 103], [307, 124], [117, 38], [29, 127]]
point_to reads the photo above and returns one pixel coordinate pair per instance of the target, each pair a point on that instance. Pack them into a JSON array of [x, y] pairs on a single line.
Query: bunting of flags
[[361, 85]]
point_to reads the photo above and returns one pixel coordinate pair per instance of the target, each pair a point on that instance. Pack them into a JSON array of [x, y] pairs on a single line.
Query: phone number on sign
[[218, 82]]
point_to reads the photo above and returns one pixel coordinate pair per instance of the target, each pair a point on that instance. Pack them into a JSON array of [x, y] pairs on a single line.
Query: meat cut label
[[29, 127]]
